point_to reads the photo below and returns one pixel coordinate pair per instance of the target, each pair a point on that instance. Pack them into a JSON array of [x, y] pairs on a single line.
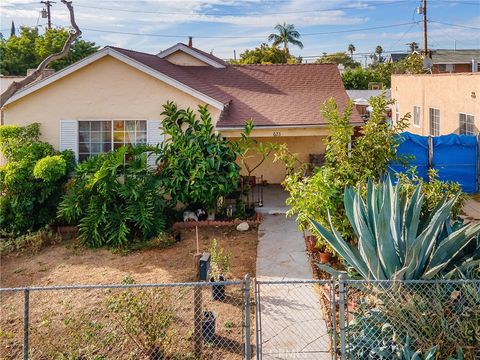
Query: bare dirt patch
[[81, 324]]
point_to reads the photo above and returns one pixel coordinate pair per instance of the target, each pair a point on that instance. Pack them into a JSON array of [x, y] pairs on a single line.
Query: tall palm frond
[[286, 35]]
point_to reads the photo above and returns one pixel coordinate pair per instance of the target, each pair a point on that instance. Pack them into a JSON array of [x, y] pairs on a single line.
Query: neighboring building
[[361, 99], [448, 61], [455, 61], [394, 57], [439, 104], [115, 97]]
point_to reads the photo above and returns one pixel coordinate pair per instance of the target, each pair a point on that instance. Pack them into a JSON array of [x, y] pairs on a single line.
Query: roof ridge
[[301, 64]]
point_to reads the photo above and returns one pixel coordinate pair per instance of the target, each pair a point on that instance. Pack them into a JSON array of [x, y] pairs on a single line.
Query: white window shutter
[[154, 137], [69, 136]]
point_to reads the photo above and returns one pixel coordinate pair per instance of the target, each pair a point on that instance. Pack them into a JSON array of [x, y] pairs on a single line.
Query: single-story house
[[448, 60], [115, 96]]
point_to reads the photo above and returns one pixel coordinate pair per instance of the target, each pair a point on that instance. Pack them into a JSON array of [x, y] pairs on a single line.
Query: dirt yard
[[98, 323]]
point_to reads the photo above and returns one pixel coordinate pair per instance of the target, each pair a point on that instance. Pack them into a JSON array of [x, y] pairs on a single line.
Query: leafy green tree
[[29, 48], [197, 166], [286, 34], [265, 54], [320, 196], [338, 58]]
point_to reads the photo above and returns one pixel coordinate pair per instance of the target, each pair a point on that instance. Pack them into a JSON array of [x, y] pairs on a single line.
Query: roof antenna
[[190, 41]]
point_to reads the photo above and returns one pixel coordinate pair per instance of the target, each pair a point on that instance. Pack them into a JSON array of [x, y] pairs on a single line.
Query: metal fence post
[[333, 304], [247, 317], [341, 303], [26, 313]]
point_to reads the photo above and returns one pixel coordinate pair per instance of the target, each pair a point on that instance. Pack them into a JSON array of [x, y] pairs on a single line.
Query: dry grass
[[61, 322]]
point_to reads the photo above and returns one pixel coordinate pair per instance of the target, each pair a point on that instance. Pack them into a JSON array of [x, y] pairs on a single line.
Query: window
[[99, 136], [416, 116], [446, 68], [434, 122], [467, 126]]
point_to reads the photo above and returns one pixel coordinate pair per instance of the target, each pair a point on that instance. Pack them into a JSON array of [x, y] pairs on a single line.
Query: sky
[[222, 26]]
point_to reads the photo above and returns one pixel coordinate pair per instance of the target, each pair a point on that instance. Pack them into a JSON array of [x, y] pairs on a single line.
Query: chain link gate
[[295, 319]]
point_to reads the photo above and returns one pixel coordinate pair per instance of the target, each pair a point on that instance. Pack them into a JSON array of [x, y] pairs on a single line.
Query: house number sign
[[277, 133]]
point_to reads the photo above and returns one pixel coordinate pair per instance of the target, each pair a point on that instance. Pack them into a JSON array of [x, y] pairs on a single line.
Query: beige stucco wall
[[274, 173], [104, 89], [451, 93], [184, 59]]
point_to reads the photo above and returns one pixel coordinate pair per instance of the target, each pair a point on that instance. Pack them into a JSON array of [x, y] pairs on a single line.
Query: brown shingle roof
[[272, 95]]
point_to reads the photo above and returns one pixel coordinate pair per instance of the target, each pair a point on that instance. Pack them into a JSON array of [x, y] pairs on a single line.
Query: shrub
[[197, 166], [28, 201], [50, 168], [115, 198], [146, 315], [321, 194], [397, 241]]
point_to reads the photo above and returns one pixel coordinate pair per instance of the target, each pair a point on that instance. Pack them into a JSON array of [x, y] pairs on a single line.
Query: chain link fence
[[128, 321], [396, 319], [315, 319]]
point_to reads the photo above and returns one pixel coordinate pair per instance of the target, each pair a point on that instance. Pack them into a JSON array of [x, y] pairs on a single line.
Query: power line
[[354, 7], [246, 37], [455, 25]]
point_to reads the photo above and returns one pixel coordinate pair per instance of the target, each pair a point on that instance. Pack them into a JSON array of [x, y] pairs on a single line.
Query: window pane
[[84, 147], [141, 137], [118, 125], [84, 137], [107, 147], [130, 125], [118, 136], [96, 148], [107, 125], [107, 136], [95, 125], [84, 125], [96, 136], [117, 145], [141, 125]]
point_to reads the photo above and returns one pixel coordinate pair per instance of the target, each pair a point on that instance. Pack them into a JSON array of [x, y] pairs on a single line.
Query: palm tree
[[286, 35], [351, 49], [378, 52]]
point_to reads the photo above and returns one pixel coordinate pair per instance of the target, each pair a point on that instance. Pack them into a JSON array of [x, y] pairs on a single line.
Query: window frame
[[472, 124], [431, 121], [419, 124], [112, 137]]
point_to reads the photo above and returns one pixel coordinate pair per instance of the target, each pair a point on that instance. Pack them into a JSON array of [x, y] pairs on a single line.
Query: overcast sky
[[223, 26]]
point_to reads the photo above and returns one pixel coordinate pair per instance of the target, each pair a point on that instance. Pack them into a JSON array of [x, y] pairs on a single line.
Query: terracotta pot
[[311, 242], [325, 258]]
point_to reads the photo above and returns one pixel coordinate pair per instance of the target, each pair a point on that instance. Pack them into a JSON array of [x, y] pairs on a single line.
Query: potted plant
[[219, 266], [324, 254]]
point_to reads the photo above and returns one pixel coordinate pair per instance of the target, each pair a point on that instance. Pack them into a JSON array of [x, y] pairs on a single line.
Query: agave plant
[[397, 241]]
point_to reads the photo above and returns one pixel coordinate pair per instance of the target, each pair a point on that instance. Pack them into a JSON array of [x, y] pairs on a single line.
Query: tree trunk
[[74, 33]]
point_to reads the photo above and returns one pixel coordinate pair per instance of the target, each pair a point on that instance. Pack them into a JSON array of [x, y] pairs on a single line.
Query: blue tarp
[[414, 148], [455, 157]]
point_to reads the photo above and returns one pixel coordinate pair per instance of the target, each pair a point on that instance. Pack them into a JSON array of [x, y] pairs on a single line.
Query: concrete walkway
[[472, 210], [292, 320]]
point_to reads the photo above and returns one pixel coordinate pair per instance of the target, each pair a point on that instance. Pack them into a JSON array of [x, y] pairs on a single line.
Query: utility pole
[[48, 4], [425, 28]]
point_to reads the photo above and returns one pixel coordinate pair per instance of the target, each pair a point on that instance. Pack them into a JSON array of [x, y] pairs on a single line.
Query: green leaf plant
[[397, 241]]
